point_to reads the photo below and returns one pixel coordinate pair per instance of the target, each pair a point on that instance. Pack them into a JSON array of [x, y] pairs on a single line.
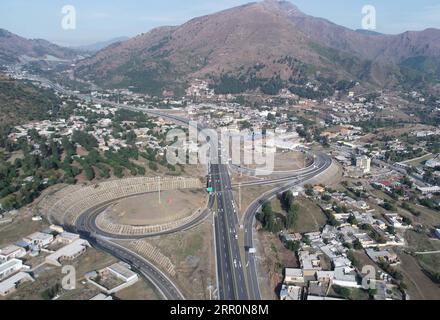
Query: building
[[363, 163], [432, 163], [11, 252], [67, 237], [10, 285], [293, 276], [426, 190], [290, 292], [122, 271], [345, 277], [310, 263], [39, 239], [102, 297], [396, 221], [56, 228], [10, 267], [384, 255], [68, 252], [325, 276]]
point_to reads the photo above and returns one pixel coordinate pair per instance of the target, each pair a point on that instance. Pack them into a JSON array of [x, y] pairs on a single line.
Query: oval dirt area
[[147, 210]]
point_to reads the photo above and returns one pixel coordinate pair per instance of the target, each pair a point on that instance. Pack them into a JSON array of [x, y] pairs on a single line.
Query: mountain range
[[264, 46], [269, 43], [14, 49], [95, 47]]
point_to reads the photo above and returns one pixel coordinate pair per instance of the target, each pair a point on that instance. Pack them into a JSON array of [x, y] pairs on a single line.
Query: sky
[[100, 20]]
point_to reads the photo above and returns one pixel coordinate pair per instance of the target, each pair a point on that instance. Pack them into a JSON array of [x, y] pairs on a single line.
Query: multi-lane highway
[[232, 282]]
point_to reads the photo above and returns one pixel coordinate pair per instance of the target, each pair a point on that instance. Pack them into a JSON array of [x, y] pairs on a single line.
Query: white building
[[10, 285], [39, 239], [122, 271], [10, 267], [293, 276], [11, 252], [290, 292], [345, 277]]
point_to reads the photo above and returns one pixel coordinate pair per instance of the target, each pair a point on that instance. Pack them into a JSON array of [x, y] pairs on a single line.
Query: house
[[318, 189], [10, 285], [293, 276], [39, 239], [345, 277], [10, 252], [10, 267], [325, 276], [290, 292], [396, 220], [67, 237], [122, 271], [319, 289], [384, 255], [310, 263]]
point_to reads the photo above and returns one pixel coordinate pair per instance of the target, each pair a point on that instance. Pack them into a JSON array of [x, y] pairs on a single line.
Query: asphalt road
[[323, 162], [231, 279]]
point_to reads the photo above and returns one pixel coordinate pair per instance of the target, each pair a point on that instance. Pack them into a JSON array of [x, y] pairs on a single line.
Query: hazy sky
[[99, 20]]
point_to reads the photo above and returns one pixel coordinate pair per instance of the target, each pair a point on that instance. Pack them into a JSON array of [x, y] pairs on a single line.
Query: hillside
[[21, 102], [15, 49], [269, 45]]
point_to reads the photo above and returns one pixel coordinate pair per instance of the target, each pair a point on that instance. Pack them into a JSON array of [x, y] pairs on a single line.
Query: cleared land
[[285, 161], [192, 252], [147, 210]]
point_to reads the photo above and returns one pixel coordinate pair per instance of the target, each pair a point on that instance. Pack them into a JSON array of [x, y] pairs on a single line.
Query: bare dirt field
[[147, 210], [285, 161], [192, 253]]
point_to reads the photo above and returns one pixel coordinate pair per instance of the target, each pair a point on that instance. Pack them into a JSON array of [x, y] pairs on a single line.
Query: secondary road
[[324, 162]]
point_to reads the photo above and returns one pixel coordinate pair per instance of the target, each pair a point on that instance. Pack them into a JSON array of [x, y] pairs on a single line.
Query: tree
[[352, 220], [293, 245], [357, 245], [292, 216], [342, 291]]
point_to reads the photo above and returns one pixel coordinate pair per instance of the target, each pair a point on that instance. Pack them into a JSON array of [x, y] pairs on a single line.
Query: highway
[[231, 280]]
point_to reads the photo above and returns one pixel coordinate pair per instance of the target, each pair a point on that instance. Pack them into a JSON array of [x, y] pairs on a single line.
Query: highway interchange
[[235, 281]]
